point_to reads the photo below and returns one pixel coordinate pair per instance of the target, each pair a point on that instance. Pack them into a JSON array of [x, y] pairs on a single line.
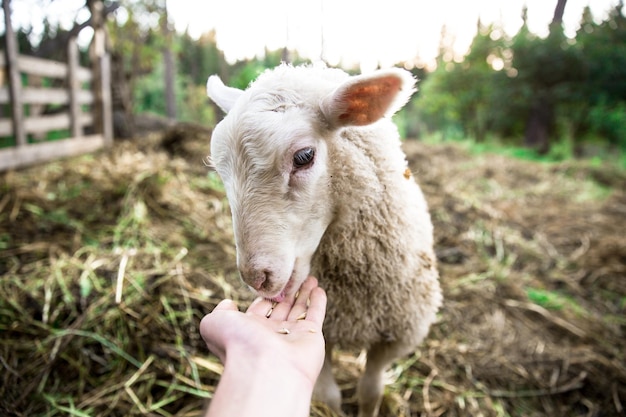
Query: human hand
[[288, 334]]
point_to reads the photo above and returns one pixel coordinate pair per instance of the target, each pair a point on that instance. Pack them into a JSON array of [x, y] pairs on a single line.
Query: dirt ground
[[108, 262]]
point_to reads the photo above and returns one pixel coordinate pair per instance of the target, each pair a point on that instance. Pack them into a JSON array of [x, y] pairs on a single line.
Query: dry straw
[[109, 262]]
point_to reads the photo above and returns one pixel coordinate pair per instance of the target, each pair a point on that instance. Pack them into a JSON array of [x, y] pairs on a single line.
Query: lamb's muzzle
[[256, 278]]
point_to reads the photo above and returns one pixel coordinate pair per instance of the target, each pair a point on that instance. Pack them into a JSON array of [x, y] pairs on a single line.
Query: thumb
[[226, 305], [212, 327]]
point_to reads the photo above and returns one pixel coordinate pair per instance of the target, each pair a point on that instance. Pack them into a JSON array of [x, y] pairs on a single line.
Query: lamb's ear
[[364, 99], [225, 97]]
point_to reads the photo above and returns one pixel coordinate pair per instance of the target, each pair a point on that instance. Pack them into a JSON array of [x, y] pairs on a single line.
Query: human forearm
[[259, 387]]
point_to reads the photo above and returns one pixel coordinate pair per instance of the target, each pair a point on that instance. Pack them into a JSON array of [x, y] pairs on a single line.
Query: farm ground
[[108, 262]]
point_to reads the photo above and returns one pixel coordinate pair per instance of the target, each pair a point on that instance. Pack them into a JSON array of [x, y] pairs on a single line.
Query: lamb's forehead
[[278, 95], [285, 86], [256, 137], [280, 105]]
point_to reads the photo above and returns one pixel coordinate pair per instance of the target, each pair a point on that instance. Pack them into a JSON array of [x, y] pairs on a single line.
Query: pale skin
[[272, 354]]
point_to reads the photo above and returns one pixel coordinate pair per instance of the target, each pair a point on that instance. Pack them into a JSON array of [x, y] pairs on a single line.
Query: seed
[[302, 316], [283, 331]]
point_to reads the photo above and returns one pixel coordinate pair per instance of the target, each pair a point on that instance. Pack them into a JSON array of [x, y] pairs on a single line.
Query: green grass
[[560, 150], [554, 300], [547, 299]]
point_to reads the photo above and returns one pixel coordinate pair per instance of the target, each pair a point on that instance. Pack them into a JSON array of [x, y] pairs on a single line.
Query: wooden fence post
[[15, 81], [107, 104], [101, 70], [73, 86]]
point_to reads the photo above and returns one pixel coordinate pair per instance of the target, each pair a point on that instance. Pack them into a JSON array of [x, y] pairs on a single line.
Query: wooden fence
[[82, 104]]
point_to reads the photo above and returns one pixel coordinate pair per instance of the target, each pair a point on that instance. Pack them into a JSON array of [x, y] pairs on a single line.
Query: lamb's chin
[[294, 283], [280, 296]]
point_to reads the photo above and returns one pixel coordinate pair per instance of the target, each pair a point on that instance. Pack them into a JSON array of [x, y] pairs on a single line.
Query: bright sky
[[353, 32], [381, 32]]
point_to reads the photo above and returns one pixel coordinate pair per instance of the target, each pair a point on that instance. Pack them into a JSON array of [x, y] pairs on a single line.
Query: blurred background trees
[[553, 95], [532, 91]]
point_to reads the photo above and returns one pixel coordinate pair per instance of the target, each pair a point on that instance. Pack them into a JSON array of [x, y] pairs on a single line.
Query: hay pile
[[109, 262]]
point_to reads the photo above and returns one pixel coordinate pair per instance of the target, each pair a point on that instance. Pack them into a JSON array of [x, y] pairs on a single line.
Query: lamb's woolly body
[[376, 260]]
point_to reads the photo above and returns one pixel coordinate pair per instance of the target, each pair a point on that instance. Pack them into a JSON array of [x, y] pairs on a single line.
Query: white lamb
[[318, 184]]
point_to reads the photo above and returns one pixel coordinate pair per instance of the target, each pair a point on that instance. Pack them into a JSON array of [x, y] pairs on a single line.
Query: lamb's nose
[[256, 278]]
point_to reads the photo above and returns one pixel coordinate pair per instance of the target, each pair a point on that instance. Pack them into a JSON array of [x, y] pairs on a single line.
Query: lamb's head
[[272, 153]]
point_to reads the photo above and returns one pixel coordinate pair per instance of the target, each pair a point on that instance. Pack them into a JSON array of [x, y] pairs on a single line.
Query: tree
[[168, 63], [461, 96], [201, 58], [546, 65], [137, 46], [603, 93]]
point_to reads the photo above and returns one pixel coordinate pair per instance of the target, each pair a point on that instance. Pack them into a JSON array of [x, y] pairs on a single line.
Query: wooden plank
[[6, 127], [12, 158], [42, 67], [40, 124], [32, 95], [15, 83], [4, 95], [54, 122], [85, 96], [44, 123], [84, 74], [38, 95], [86, 119]]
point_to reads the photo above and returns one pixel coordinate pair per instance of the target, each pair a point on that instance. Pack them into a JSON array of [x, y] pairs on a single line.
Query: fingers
[[301, 304], [310, 304], [317, 306], [293, 308], [260, 307]]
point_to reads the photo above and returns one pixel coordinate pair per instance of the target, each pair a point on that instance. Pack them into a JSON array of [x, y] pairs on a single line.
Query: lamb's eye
[[303, 157]]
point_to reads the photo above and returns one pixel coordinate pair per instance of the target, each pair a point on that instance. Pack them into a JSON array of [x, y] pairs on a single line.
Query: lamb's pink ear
[[364, 99], [225, 97]]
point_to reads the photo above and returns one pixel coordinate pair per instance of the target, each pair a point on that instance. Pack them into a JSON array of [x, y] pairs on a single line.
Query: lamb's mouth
[[285, 291]]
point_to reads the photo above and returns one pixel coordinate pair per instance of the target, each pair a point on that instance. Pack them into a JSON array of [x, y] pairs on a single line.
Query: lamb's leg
[[326, 389], [370, 388]]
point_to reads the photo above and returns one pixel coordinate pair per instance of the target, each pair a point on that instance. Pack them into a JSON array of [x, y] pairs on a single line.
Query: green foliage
[[244, 72], [191, 101], [608, 120], [576, 86], [149, 92], [199, 58], [243, 76], [468, 96], [138, 39]]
